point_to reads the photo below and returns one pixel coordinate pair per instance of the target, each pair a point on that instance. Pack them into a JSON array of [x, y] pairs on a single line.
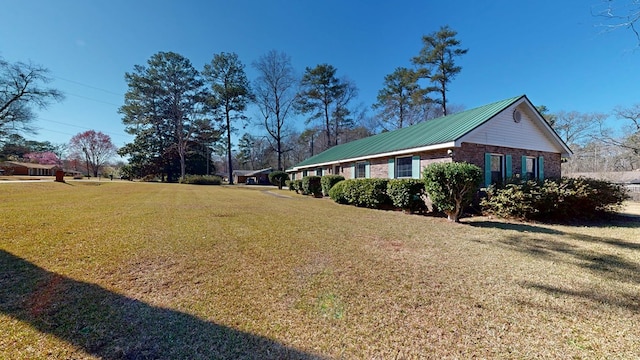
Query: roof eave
[[374, 156]]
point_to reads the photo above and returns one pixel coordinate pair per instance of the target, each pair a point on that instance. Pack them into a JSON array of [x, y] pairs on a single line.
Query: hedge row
[[328, 181], [548, 200], [371, 193], [308, 185], [201, 180], [563, 199], [404, 194]]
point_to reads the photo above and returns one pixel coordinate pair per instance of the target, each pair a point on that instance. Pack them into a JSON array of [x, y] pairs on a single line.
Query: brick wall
[[379, 168], [474, 154], [471, 153]]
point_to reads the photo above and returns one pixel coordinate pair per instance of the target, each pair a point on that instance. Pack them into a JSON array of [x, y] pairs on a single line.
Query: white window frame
[[357, 174], [534, 161], [397, 173], [503, 167]]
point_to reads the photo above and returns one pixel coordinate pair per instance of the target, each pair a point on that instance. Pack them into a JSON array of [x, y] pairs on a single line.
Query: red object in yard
[[59, 176]]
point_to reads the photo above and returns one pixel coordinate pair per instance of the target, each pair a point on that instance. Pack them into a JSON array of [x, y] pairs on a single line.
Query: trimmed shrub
[[278, 178], [311, 186], [337, 192], [406, 194], [371, 193], [452, 186], [328, 181], [290, 185], [563, 199], [201, 180]]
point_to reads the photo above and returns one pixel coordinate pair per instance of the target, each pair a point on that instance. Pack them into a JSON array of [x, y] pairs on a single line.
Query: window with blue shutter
[[541, 168], [487, 169], [530, 167], [392, 168], [361, 170], [494, 169], [415, 167], [367, 170], [508, 170], [404, 167]]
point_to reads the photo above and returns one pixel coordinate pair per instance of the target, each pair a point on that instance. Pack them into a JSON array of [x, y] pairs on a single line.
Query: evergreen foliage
[[278, 178], [555, 200], [328, 181], [452, 186]]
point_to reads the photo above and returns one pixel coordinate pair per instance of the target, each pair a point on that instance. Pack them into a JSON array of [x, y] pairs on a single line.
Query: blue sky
[[553, 51]]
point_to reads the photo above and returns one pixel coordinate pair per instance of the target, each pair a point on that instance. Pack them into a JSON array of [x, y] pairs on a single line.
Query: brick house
[[508, 138], [29, 169]]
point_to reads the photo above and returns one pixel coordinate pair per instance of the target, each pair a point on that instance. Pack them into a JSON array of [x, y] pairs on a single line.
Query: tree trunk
[[279, 149], [230, 166], [182, 165]]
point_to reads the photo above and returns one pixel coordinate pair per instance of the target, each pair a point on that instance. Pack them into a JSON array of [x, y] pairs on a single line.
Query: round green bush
[[406, 194], [371, 193], [311, 185], [452, 186], [328, 181], [278, 178]]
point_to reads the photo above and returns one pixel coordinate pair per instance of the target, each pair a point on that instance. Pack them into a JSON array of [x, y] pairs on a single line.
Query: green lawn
[[120, 270]]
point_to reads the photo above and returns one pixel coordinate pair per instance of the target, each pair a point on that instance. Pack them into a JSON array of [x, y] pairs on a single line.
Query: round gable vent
[[517, 116]]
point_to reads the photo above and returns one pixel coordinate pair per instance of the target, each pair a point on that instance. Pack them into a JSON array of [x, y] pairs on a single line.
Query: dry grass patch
[[126, 270], [632, 208]]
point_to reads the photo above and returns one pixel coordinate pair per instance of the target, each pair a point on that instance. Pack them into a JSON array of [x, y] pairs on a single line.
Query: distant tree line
[[183, 118]]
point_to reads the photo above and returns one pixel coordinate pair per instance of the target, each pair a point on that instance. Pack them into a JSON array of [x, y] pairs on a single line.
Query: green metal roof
[[432, 132]]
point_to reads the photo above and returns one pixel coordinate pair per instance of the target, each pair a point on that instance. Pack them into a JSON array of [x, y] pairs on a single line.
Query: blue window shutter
[[392, 168], [353, 170], [541, 168], [415, 166], [508, 172], [487, 169], [523, 168], [367, 170]]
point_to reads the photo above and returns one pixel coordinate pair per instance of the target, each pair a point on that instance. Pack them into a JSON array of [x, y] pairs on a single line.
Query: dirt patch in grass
[[170, 271]]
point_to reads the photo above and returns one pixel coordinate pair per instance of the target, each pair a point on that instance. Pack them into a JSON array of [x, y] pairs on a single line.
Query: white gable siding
[[503, 131]]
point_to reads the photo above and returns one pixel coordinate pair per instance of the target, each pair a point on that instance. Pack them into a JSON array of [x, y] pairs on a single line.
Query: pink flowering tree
[[42, 158], [94, 147]]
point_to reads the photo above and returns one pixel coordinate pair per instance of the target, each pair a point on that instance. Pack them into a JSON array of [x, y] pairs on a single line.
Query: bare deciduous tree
[[22, 89], [275, 95], [620, 14]]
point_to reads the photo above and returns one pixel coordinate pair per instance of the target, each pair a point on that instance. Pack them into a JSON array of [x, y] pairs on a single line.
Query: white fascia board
[[387, 154], [550, 132]]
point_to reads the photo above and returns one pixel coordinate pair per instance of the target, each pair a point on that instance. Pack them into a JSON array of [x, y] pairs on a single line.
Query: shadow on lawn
[[607, 262], [601, 263], [534, 229], [622, 300], [113, 326]]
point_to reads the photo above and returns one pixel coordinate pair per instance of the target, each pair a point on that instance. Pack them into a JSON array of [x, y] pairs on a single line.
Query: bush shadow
[[611, 261], [113, 326], [621, 300], [601, 263], [521, 227]]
